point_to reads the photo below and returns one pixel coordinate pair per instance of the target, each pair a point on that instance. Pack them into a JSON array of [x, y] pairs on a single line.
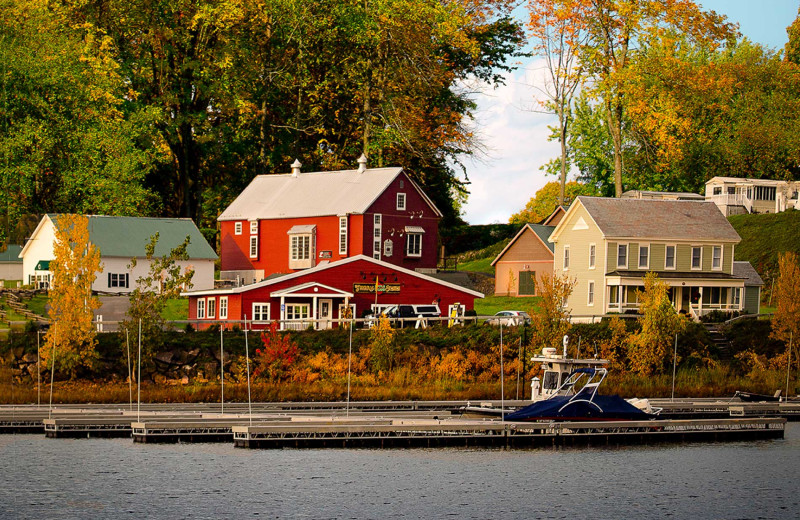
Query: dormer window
[[401, 202]]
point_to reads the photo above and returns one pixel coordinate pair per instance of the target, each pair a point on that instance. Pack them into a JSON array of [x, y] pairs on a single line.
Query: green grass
[[493, 304], [11, 315], [176, 309], [481, 265], [10, 284], [38, 304]]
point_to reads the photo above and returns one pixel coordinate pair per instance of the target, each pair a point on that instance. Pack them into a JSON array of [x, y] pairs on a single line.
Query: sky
[[508, 174]]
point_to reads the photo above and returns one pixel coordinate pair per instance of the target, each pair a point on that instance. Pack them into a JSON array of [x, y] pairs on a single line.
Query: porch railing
[[732, 199]]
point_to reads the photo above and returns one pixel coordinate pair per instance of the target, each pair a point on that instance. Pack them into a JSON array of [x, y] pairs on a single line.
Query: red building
[[292, 222], [322, 293]]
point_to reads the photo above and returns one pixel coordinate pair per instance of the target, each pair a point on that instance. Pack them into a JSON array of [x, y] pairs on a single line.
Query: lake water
[[58, 478]]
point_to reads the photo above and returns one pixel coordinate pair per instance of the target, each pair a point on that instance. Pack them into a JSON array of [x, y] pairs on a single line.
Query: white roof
[[745, 180], [311, 194]]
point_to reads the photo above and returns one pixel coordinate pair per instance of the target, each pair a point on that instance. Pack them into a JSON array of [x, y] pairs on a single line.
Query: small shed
[[11, 263], [526, 257], [752, 286]]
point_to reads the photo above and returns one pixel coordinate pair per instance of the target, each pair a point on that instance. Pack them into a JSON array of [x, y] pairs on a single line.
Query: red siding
[[414, 290]]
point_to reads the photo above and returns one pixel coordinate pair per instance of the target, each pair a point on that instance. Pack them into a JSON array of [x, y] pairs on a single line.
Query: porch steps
[[720, 341]]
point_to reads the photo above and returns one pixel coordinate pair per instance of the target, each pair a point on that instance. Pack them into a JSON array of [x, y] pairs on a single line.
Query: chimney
[[296, 168], [362, 163]]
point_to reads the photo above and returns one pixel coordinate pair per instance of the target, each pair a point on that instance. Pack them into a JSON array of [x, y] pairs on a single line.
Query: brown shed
[[528, 256]]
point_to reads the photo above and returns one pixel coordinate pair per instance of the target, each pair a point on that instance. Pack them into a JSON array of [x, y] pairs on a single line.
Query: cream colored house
[[120, 239], [526, 257], [607, 246], [736, 196]]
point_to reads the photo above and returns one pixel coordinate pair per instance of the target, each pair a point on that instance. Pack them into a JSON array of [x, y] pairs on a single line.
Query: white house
[[120, 239], [735, 195]]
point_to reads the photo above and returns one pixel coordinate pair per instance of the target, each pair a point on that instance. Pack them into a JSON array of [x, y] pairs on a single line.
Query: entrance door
[[324, 314], [685, 295]]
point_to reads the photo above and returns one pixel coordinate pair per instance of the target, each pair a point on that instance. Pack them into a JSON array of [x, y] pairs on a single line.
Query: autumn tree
[[165, 279], [277, 354], [382, 345], [550, 320], [75, 266], [792, 48], [546, 200], [786, 321], [649, 350], [556, 38]]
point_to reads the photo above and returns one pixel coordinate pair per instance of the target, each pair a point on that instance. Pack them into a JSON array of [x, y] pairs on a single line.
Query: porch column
[[283, 311], [700, 302], [314, 312]]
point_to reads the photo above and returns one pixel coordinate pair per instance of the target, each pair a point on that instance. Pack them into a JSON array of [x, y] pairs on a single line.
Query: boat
[[584, 405], [750, 397]]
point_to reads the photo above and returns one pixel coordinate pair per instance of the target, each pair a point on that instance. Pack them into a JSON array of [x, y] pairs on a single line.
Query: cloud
[[516, 146]]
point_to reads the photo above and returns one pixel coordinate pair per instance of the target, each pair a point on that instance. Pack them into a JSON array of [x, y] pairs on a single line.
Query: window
[[716, 258], [343, 236], [343, 311], [401, 202], [223, 307], [387, 248], [737, 296], [622, 255], [254, 246], [731, 190], [765, 193], [669, 257], [237, 228], [300, 247], [253, 227], [717, 190], [261, 311], [591, 293], [566, 257], [414, 244], [118, 280], [592, 254], [697, 257], [376, 236], [644, 256], [296, 311], [211, 311], [201, 308]]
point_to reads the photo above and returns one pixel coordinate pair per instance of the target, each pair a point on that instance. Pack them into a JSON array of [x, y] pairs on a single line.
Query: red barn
[[321, 293], [292, 222]]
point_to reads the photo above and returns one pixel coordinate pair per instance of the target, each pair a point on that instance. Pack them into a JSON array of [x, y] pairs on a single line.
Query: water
[[98, 478]]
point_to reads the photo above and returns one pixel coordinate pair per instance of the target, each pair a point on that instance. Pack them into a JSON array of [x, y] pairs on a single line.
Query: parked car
[[408, 315], [510, 318]]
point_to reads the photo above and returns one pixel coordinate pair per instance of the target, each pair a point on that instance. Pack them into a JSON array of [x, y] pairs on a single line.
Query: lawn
[[481, 265], [176, 309], [493, 304], [38, 304]]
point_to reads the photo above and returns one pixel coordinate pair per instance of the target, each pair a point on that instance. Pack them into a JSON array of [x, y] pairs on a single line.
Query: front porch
[[695, 298], [311, 305]]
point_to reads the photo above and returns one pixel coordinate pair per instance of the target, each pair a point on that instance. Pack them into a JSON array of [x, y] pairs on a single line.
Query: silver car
[[510, 318]]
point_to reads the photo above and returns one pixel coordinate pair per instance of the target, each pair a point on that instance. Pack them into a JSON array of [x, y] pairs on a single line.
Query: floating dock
[[393, 424]]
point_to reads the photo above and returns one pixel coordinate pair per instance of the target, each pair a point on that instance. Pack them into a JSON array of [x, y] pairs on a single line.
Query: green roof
[[127, 236], [11, 254], [42, 265]]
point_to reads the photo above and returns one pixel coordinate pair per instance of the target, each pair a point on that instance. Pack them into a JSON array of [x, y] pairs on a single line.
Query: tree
[[277, 354], [75, 266], [792, 48], [381, 341], [550, 320], [546, 200], [165, 279], [614, 29], [649, 349], [557, 37], [786, 321]]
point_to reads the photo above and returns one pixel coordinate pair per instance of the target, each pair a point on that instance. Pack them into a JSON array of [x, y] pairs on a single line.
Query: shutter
[[109, 279]]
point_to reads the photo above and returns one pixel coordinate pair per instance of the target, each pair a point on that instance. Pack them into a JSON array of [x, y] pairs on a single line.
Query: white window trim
[[211, 308], [639, 257], [565, 259], [401, 197], [201, 308], [721, 258], [237, 228], [262, 305], [592, 260], [674, 257], [253, 246], [293, 305], [627, 255], [377, 232], [590, 296], [408, 245], [253, 227], [343, 232], [294, 238], [691, 258], [223, 315]]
